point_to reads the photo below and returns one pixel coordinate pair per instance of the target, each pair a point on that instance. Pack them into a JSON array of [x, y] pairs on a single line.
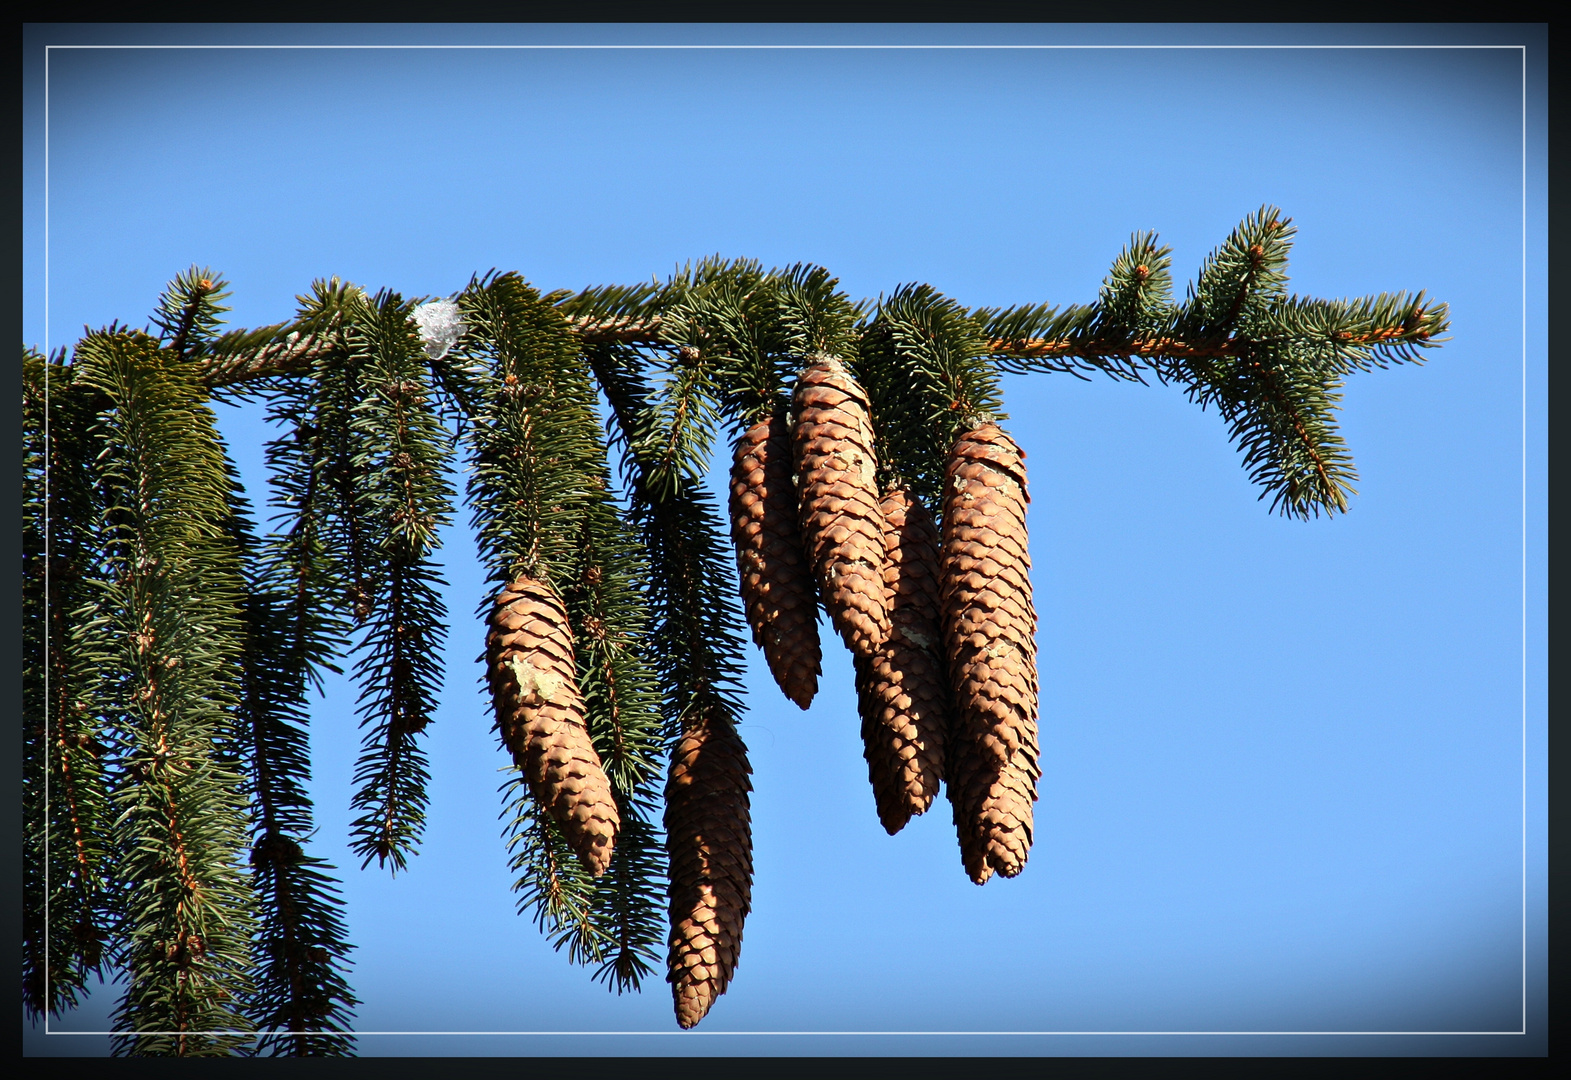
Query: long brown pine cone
[[709, 839], [903, 689], [990, 642], [842, 528], [540, 712], [777, 584]]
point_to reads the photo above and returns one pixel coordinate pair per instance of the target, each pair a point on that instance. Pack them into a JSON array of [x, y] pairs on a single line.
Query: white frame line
[[1522, 49]]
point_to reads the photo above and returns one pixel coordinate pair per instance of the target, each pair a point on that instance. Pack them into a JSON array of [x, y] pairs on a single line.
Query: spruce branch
[[168, 651], [615, 314], [606, 606], [68, 886], [188, 313], [725, 321], [696, 641], [324, 551], [301, 1003], [818, 319], [527, 435], [723, 359], [360, 517], [675, 435], [697, 650], [182, 804], [265, 353], [1136, 322], [1080, 339], [1397, 340], [399, 454], [627, 899], [1271, 363], [925, 366], [553, 887], [287, 350], [543, 506], [1281, 417], [302, 560], [608, 610]]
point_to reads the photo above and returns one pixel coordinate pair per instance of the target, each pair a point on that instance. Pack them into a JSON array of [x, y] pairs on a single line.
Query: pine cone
[[710, 842], [777, 585], [990, 639], [540, 711], [842, 529], [903, 690]]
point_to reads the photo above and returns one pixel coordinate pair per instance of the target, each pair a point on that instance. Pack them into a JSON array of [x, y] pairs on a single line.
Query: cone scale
[[776, 581], [903, 688], [842, 528], [540, 713], [990, 645]]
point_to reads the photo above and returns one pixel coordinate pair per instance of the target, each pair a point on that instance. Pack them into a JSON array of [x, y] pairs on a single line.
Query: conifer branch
[[626, 898], [182, 820], [816, 318], [188, 312], [1272, 363], [302, 561], [301, 1003], [1409, 332], [542, 505], [168, 652], [608, 611], [400, 453], [723, 320], [278, 351], [696, 641], [722, 349], [553, 885], [67, 878], [1328, 492], [697, 650], [925, 366], [263, 354]]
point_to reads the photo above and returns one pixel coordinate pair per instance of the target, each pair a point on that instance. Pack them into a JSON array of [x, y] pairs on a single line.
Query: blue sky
[[1293, 773]]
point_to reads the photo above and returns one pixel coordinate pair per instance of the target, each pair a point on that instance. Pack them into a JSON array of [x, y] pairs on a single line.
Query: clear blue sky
[[1293, 773]]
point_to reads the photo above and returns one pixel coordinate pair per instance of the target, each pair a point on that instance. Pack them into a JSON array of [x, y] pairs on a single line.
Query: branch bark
[[296, 354]]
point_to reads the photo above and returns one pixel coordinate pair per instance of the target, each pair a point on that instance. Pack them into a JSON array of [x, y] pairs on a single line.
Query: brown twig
[[291, 356], [1173, 348]]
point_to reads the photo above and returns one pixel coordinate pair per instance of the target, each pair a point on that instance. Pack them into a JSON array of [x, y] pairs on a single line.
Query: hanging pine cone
[[902, 689], [710, 842], [777, 585], [540, 711], [842, 529], [990, 639]]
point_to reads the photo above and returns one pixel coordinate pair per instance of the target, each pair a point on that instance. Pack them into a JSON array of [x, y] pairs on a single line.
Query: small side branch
[[239, 361], [292, 355]]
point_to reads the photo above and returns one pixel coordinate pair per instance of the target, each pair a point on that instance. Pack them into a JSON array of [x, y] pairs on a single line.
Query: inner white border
[[1522, 49]]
